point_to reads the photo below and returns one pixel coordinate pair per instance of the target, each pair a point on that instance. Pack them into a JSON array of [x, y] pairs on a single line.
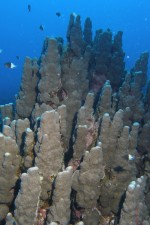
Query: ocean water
[[20, 35]]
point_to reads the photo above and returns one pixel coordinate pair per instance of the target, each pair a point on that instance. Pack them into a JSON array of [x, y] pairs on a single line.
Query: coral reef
[[27, 93], [60, 209], [86, 183], [7, 110], [9, 172], [134, 208], [26, 203], [48, 150], [75, 147]]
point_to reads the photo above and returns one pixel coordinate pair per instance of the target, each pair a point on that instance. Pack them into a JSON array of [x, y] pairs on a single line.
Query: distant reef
[[75, 147]]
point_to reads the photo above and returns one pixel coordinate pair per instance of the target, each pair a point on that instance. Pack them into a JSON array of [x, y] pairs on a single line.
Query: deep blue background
[[20, 34]]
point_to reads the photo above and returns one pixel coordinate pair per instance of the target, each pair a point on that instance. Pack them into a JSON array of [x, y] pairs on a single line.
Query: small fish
[[17, 57], [41, 27], [58, 14], [1, 50], [29, 8], [9, 65]]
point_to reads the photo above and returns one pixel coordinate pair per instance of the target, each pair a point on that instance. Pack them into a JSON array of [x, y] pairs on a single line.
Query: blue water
[[20, 34]]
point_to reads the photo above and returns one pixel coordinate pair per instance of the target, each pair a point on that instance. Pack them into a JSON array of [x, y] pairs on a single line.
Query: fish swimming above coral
[[41, 27], [58, 14], [17, 57], [9, 65], [29, 8]]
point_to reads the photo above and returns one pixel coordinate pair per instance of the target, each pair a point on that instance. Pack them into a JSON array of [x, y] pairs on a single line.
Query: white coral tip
[[7, 154]]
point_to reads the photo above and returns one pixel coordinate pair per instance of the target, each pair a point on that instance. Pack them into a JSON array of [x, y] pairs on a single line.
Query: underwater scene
[[74, 112]]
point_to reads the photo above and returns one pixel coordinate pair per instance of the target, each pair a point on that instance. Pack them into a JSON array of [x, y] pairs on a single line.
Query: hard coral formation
[[48, 150], [134, 209], [50, 82], [86, 183], [6, 111], [27, 200], [27, 93], [60, 209], [76, 148], [9, 172]]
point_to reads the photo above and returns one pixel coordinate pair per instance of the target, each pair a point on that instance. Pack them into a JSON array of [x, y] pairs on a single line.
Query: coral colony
[[75, 148]]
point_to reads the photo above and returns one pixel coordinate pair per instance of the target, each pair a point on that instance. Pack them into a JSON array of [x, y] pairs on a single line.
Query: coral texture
[[134, 209], [75, 148]]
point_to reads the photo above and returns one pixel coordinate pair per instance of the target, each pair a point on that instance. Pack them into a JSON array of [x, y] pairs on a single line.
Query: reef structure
[[75, 147]]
